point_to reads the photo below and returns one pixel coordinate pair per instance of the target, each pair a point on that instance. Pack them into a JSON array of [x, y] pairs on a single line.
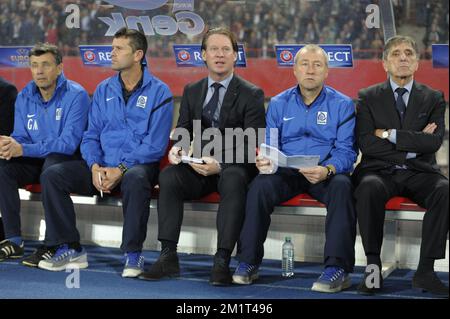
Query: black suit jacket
[[8, 94], [376, 110], [242, 107]]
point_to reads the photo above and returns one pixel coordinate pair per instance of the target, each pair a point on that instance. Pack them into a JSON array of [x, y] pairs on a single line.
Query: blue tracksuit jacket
[[132, 133], [325, 128], [55, 126]]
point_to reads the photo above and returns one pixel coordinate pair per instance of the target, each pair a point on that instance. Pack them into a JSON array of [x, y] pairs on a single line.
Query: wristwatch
[[122, 168], [330, 171], [385, 134]]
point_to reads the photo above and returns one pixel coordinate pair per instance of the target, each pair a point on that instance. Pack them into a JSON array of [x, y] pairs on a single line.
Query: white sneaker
[[64, 258], [134, 265]]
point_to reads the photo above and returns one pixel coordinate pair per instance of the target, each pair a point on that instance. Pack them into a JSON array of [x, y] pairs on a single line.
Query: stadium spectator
[[274, 22]]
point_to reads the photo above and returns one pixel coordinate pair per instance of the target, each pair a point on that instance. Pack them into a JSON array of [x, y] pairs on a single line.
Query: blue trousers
[[60, 180], [267, 191]]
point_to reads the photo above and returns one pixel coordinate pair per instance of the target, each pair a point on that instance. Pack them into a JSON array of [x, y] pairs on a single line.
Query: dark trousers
[[2, 232], [180, 182], [426, 189], [267, 191], [17, 173], [59, 181]]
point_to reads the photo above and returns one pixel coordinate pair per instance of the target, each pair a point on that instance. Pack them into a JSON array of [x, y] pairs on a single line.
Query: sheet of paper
[[188, 159], [294, 161]]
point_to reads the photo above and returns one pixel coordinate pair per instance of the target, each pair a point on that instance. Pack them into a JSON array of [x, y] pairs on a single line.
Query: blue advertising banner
[[339, 55], [440, 55], [15, 57], [189, 55], [96, 55]]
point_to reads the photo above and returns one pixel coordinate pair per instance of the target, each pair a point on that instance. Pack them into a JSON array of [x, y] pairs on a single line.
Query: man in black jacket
[[400, 126], [8, 94], [220, 101]]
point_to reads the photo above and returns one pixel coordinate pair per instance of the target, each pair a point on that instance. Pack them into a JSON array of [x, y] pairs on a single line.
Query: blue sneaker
[[64, 258], [332, 279], [245, 274], [134, 264]]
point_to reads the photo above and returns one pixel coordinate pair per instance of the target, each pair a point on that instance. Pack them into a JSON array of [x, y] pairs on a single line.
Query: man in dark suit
[[220, 101], [400, 127], [8, 94]]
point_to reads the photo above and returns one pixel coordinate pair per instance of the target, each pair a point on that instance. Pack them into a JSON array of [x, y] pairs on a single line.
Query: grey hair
[[314, 48], [396, 40]]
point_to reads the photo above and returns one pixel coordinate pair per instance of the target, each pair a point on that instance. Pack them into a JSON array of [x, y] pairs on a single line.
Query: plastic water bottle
[[287, 262]]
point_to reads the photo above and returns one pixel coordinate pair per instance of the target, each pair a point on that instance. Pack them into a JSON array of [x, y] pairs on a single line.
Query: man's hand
[[113, 177], [430, 128], [314, 174], [9, 148], [264, 165], [175, 154], [379, 131], [98, 176], [3, 142], [211, 167]]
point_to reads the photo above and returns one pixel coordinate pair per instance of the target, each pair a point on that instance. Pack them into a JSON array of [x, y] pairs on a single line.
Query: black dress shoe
[[364, 290], [167, 265], [431, 283], [220, 274]]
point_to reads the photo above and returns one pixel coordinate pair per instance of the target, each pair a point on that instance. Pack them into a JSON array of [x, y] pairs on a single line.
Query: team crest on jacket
[[141, 101], [322, 118]]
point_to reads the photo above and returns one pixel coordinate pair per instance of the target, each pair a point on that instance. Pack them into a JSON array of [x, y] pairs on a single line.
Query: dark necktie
[[400, 104], [210, 109]]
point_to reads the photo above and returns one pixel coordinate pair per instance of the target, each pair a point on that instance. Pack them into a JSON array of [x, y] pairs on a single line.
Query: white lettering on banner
[[197, 56], [104, 56], [337, 56]]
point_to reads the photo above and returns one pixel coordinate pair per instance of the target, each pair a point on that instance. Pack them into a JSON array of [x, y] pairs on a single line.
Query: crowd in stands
[[436, 25], [259, 24]]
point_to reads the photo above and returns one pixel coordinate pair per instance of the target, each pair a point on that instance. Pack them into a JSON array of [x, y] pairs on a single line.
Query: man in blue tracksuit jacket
[[127, 135], [309, 119], [51, 115]]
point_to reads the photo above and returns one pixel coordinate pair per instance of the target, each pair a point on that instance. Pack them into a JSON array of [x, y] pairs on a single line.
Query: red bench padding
[[395, 203]]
